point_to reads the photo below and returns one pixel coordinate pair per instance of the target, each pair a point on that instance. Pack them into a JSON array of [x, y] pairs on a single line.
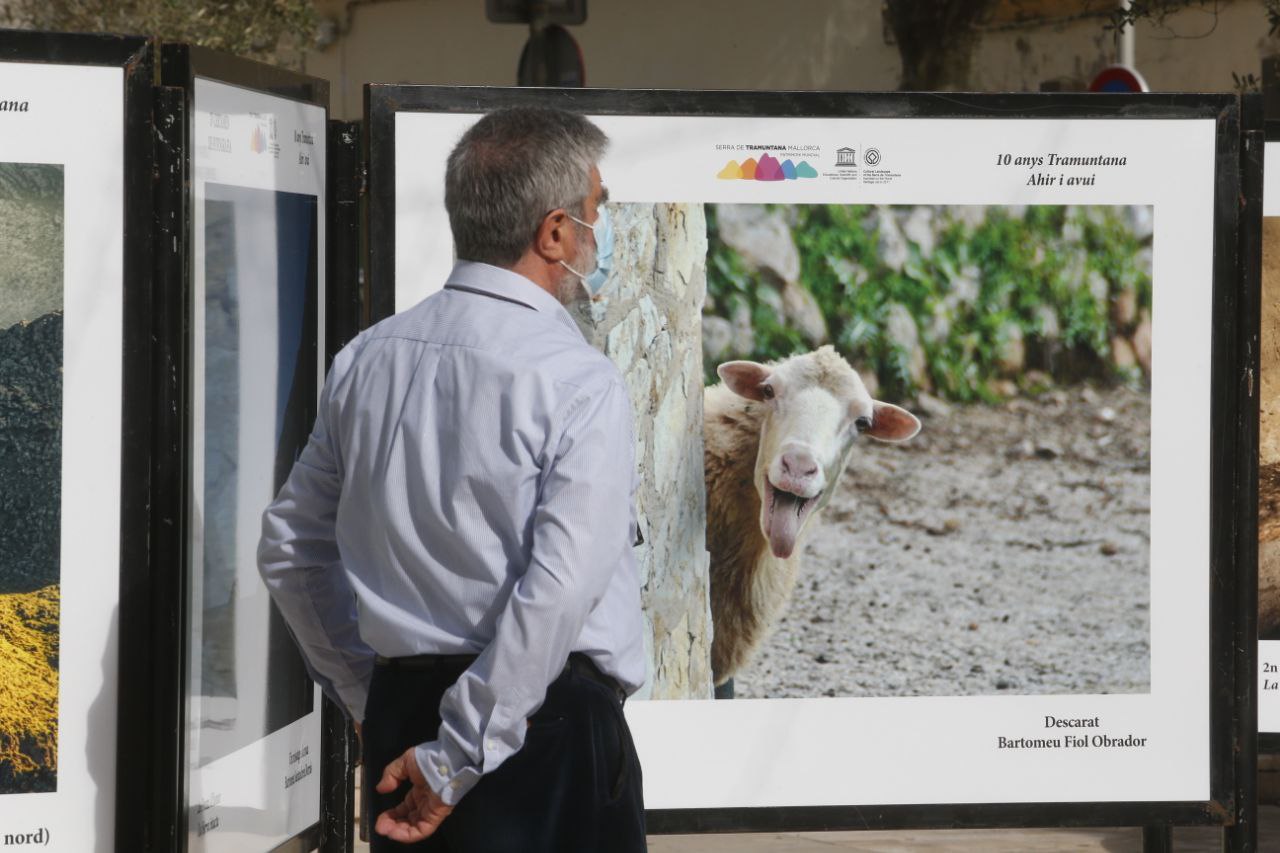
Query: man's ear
[[549, 243], [891, 423], [744, 378]]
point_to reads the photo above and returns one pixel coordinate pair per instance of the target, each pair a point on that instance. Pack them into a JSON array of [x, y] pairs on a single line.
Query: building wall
[[749, 44], [817, 44], [1192, 52]]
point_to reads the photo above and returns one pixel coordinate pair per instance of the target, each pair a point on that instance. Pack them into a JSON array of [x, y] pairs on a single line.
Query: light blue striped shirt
[[468, 488]]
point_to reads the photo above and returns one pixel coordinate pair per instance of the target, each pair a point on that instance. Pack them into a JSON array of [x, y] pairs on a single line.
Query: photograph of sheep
[[31, 358], [259, 384], [1269, 438], [888, 450]]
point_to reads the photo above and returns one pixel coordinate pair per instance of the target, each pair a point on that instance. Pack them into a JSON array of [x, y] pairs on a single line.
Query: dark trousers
[[574, 787]]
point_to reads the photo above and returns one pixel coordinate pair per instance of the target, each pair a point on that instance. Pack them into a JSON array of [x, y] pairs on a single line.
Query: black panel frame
[[1248, 341], [1233, 494], [135, 55], [180, 65], [343, 320]]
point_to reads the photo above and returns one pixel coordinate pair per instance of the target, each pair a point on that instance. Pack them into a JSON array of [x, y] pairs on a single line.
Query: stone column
[[650, 324]]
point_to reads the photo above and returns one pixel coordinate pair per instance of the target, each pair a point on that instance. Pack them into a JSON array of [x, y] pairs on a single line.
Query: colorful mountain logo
[[258, 142], [766, 169]]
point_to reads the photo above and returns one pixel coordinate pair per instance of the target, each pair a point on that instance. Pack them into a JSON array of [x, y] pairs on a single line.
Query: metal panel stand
[[1157, 838]]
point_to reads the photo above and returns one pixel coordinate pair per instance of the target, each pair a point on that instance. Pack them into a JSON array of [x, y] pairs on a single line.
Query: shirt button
[[444, 771], [455, 784], [491, 743]]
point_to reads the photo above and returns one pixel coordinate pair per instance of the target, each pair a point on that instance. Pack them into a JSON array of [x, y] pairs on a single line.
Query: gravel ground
[[1003, 550]]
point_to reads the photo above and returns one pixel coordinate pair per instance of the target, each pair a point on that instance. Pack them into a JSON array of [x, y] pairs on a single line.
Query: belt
[[578, 664], [427, 662]]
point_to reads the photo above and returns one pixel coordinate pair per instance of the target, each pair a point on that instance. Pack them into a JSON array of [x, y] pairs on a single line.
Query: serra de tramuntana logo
[[258, 141], [766, 169]]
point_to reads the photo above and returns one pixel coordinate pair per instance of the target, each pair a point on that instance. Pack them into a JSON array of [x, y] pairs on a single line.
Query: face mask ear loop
[[582, 279], [580, 276]]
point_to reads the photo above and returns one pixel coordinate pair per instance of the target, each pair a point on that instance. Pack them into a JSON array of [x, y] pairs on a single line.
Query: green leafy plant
[[1018, 289], [274, 31]]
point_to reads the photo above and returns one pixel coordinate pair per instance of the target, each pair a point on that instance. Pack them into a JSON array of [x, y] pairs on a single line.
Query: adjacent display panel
[[1015, 606], [253, 747], [1269, 457], [65, 376]]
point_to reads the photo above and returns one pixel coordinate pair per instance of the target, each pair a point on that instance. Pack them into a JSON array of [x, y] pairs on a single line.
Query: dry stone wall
[[649, 322]]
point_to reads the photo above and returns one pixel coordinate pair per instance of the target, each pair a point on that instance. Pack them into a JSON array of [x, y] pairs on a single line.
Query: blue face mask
[[603, 231]]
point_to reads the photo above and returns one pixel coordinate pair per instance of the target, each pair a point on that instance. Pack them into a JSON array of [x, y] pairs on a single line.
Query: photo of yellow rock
[[29, 701], [31, 360]]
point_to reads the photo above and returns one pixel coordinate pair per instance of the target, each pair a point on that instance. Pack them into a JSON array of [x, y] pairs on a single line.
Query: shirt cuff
[[450, 776]]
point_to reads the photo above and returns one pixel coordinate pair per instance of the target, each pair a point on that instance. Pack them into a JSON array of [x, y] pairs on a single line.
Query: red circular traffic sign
[[1118, 78]]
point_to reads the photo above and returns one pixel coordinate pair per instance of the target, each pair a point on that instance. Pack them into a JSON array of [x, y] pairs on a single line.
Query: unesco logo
[[872, 156], [847, 157]]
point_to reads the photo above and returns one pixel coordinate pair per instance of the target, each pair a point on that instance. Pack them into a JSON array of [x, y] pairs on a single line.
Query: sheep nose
[[798, 464]]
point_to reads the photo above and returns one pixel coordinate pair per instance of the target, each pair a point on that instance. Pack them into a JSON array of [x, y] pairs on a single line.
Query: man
[[452, 549]]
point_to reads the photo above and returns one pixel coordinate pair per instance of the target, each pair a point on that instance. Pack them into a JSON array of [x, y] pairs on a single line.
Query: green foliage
[[983, 288], [1158, 13], [1246, 83], [275, 31]]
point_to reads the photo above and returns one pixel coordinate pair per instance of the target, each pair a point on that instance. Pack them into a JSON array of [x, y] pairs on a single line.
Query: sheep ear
[[891, 423], [744, 378]]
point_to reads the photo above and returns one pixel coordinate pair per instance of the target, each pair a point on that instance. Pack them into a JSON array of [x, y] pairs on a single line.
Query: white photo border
[[249, 782], [63, 100], [719, 765]]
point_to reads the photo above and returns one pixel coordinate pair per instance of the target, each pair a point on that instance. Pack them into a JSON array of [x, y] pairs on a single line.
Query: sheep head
[[815, 407]]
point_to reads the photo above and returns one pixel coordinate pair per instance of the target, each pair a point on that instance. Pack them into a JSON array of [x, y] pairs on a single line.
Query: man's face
[[570, 287]]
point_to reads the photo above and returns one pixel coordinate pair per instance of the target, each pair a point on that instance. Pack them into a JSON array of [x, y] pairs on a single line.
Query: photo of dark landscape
[[284, 258], [31, 359]]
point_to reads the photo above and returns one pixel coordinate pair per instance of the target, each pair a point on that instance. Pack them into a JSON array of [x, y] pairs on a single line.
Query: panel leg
[[1157, 838]]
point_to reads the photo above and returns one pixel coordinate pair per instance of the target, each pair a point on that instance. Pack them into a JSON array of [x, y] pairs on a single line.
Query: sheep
[[776, 439]]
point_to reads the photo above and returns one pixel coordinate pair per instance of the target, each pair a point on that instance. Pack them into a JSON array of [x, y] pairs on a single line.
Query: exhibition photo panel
[[31, 307], [1002, 574], [1269, 455], [251, 236], [62, 345], [257, 231]]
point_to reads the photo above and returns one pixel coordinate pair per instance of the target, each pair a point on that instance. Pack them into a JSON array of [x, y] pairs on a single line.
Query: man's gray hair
[[509, 171]]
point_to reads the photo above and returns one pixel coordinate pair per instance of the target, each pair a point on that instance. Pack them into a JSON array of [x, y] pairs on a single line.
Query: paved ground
[[1004, 550], [956, 841]]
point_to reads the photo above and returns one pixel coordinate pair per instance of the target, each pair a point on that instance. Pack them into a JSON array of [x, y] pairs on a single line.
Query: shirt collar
[[510, 286]]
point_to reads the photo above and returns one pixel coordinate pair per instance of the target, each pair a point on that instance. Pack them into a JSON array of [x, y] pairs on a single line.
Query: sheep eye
[[767, 391], [862, 424]]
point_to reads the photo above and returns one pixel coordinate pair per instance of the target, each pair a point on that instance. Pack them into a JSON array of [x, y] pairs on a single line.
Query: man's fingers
[[392, 776], [399, 830], [420, 812], [402, 769], [400, 824]]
